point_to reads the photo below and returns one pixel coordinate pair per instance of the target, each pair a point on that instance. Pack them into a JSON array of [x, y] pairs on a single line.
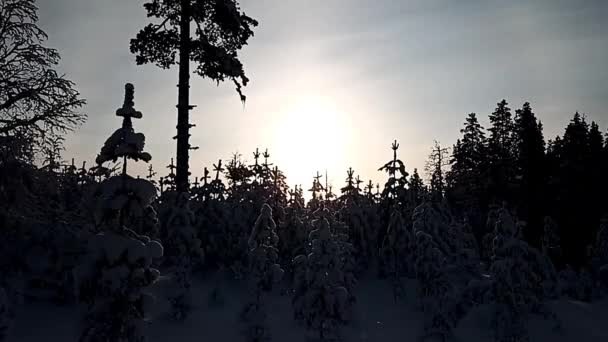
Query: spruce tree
[[530, 172], [417, 188], [395, 188], [264, 272], [501, 151], [117, 267], [465, 178], [571, 190]]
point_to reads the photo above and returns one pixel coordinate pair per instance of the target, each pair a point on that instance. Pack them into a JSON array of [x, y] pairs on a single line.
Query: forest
[[504, 220]]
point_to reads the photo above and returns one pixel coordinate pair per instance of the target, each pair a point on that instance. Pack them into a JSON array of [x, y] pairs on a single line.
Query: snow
[[377, 317]]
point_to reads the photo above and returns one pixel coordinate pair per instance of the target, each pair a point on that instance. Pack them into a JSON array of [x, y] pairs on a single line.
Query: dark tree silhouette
[[35, 101], [501, 149], [531, 172], [417, 188], [435, 168], [220, 30], [465, 178], [395, 188], [572, 189]]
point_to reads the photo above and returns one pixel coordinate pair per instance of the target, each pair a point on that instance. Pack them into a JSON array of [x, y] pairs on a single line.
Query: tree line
[[511, 163]]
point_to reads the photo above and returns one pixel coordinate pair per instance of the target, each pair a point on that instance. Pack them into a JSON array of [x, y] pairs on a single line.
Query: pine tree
[[221, 31]]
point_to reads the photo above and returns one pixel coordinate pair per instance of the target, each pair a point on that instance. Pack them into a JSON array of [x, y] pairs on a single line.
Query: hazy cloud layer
[[409, 70]]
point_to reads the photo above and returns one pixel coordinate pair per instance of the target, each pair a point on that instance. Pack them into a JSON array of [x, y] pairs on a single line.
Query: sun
[[312, 134]]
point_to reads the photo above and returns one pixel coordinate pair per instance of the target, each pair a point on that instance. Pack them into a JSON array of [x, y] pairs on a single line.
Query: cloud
[[409, 69]]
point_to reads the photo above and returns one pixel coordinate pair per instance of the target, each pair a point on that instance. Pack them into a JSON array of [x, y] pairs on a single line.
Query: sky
[[334, 82]]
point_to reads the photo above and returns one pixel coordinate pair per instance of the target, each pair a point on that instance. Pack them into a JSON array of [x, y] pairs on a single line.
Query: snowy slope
[[377, 318]]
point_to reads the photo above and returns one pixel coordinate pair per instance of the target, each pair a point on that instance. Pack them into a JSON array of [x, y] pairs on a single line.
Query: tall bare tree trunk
[[183, 106]]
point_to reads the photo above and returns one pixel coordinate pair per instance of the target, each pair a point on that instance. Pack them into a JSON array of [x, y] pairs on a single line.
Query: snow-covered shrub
[[264, 271], [112, 278], [183, 253], [397, 252], [320, 299]]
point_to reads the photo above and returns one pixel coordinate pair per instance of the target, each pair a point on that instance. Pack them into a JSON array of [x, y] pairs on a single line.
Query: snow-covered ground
[[377, 317]]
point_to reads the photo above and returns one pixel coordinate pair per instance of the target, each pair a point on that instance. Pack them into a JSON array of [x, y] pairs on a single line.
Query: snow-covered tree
[[320, 299], [395, 188], [117, 267], [397, 252], [112, 279], [264, 271], [358, 217], [434, 288], [516, 283], [293, 234], [346, 250], [123, 199], [453, 238], [183, 253]]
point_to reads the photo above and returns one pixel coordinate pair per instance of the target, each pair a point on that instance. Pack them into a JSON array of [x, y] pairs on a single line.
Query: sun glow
[[312, 134]]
